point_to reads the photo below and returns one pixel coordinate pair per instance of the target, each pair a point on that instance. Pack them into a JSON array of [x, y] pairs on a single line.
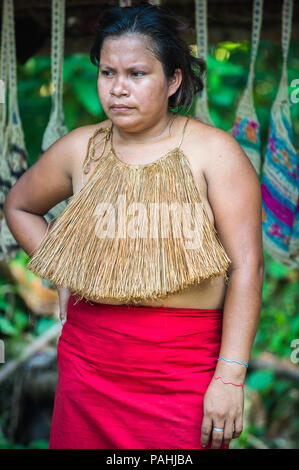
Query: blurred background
[[29, 325]]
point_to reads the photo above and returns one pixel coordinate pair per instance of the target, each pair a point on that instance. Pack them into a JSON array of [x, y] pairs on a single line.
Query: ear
[[175, 82]]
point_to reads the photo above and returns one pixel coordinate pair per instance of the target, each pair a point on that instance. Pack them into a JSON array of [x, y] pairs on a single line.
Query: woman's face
[[131, 76]]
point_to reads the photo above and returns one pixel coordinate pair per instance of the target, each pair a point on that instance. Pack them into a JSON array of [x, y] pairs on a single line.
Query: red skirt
[[133, 377]]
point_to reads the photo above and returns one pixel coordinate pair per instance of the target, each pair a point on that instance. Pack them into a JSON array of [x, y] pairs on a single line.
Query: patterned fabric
[[13, 156], [280, 178], [246, 129], [294, 242]]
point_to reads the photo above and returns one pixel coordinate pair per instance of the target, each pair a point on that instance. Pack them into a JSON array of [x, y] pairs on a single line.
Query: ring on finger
[[218, 429]]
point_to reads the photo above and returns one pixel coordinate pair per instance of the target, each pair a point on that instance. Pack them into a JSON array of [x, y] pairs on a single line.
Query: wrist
[[231, 371]]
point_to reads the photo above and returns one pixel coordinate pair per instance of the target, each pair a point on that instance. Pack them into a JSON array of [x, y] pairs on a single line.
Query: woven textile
[[280, 176], [13, 153]]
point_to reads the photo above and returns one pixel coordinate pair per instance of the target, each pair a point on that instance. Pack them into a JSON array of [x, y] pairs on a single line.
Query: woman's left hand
[[223, 408]]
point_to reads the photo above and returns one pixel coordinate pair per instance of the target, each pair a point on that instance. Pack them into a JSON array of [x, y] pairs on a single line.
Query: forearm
[[28, 229], [241, 314]]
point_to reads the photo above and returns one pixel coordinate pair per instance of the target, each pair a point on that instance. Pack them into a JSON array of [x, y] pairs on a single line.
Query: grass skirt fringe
[[86, 251]]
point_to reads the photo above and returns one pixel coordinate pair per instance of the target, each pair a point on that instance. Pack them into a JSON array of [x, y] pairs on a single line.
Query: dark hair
[[169, 48]]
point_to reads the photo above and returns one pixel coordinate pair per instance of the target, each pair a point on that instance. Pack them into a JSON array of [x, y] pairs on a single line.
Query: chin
[[123, 121]]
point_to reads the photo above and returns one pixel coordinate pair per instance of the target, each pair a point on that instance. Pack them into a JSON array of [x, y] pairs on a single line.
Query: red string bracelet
[[238, 385]]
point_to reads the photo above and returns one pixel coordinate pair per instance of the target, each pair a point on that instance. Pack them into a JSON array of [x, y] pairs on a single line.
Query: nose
[[119, 87]]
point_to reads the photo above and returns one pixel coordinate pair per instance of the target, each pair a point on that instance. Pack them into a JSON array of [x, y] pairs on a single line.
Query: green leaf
[[260, 379], [39, 444], [277, 270], [3, 305], [4, 443], [20, 319], [43, 325], [85, 89], [36, 65], [6, 327]]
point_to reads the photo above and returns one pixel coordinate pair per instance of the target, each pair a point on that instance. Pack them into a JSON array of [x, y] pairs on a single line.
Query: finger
[[238, 427], [62, 313], [64, 295], [206, 428], [217, 436], [228, 431]]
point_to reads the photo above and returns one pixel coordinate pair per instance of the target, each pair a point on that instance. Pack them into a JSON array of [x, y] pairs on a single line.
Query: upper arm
[[234, 193], [48, 181]]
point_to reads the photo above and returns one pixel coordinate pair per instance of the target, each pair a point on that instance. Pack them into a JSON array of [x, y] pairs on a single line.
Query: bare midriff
[[208, 294]]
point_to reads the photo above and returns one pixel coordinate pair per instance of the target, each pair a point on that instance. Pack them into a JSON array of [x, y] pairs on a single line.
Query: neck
[[151, 133]]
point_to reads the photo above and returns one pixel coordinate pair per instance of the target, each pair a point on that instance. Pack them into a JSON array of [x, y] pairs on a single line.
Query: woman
[[154, 354]]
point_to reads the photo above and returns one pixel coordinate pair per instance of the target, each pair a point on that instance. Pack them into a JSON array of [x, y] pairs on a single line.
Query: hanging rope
[[13, 157], [4, 68], [201, 107], [246, 128], [56, 127]]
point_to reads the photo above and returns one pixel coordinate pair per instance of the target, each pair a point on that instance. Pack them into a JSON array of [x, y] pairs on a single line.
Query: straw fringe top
[[102, 250]]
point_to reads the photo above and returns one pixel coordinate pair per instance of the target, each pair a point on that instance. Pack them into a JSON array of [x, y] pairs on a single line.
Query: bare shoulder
[[215, 150], [205, 136], [82, 134], [79, 138], [86, 131]]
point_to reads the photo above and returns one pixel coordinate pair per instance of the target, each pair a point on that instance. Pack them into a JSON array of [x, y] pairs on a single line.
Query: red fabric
[[133, 377]]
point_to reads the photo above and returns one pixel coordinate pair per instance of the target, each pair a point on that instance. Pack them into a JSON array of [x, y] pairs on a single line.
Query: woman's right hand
[[64, 294]]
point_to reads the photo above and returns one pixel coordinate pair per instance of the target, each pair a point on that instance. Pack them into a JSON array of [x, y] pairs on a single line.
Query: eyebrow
[[134, 66]]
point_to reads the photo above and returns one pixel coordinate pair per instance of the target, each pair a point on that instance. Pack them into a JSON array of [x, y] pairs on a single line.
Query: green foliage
[[38, 444], [13, 319], [261, 380], [279, 323], [81, 102], [43, 324], [278, 326]]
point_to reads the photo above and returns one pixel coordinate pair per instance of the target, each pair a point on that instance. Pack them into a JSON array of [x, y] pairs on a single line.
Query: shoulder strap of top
[[91, 150], [185, 125]]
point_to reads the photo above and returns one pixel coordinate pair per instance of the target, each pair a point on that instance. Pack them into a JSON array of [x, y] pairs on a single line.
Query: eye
[[135, 73], [106, 73]]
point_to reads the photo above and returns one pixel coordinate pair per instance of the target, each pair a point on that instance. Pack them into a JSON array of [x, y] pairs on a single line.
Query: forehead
[[128, 47]]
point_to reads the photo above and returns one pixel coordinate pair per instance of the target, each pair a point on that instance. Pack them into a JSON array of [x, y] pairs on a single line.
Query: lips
[[120, 109], [120, 106]]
